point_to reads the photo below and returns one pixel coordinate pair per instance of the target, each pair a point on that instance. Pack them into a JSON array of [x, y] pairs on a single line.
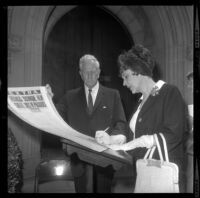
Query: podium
[[116, 159], [108, 157]]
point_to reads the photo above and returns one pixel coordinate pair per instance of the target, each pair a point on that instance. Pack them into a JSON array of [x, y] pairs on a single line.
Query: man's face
[[89, 73]]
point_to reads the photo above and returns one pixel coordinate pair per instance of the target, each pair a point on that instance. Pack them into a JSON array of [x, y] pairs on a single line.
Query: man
[[90, 110]]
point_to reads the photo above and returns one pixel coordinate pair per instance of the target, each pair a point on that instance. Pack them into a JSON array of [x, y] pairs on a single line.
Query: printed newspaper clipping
[[34, 106]]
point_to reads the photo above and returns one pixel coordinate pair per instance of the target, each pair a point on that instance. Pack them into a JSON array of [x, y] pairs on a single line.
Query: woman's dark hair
[[138, 59]]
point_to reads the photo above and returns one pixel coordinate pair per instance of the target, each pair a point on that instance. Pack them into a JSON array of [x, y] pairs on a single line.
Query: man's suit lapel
[[98, 98], [83, 102], [82, 99]]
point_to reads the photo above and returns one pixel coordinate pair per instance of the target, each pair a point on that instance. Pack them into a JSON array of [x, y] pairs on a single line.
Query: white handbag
[[156, 176]]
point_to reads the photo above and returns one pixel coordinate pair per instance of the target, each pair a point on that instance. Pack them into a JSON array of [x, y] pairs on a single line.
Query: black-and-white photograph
[[100, 98]]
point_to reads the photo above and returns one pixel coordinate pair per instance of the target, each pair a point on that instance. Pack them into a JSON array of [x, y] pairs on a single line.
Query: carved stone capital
[[14, 43]]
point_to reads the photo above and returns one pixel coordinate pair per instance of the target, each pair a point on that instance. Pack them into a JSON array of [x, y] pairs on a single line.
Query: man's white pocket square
[[104, 107]]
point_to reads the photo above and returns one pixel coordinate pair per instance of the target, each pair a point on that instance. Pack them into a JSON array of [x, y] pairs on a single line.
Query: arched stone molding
[[173, 46], [25, 45], [121, 12], [157, 44], [169, 36], [56, 13], [178, 36], [25, 34]]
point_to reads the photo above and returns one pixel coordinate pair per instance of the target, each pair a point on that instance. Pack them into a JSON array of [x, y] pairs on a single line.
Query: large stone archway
[[166, 30]]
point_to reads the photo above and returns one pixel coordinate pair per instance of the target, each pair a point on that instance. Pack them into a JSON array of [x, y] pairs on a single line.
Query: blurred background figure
[[189, 143]]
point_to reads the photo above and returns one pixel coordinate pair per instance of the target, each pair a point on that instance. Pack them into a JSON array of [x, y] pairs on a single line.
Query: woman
[[161, 108]]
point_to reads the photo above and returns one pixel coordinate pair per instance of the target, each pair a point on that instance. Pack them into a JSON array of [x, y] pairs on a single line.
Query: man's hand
[[102, 137], [49, 91]]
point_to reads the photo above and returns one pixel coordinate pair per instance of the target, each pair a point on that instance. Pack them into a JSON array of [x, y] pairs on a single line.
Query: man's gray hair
[[88, 57]]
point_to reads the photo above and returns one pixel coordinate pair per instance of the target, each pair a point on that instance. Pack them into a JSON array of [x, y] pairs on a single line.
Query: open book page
[[34, 106]]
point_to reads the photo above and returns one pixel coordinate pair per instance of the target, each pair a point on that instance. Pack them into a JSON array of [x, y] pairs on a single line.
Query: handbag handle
[[151, 150], [165, 147], [158, 147]]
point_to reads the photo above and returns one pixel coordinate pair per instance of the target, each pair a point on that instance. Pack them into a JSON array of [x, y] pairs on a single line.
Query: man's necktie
[[90, 103]]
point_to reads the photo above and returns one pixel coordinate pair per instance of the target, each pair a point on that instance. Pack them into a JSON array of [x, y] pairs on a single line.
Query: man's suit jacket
[[163, 113], [107, 111]]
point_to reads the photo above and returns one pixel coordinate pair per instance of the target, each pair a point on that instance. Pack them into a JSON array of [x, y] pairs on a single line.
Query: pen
[[106, 129]]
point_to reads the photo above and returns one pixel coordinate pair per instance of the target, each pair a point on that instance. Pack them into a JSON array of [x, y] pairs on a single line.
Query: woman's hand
[[143, 141], [117, 147]]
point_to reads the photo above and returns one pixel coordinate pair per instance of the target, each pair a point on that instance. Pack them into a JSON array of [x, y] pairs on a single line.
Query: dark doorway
[[86, 30]]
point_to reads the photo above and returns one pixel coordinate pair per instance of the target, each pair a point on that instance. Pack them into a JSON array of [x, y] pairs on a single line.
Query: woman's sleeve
[[174, 118]]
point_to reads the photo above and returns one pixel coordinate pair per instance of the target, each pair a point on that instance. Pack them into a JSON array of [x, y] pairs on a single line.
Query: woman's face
[[131, 81]]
